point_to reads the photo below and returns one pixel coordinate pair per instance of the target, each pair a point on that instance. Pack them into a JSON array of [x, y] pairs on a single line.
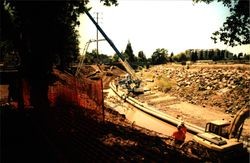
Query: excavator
[[132, 82], [220, 139]]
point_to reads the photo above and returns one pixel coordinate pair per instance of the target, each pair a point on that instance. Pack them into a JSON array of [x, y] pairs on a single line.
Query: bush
[[164, 84]]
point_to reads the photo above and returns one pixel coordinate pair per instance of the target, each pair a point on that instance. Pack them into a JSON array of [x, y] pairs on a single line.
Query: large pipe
[[193, 129]]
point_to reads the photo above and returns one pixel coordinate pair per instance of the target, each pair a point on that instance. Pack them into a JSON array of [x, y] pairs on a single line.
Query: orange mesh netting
[[68, 90], [26, 93]]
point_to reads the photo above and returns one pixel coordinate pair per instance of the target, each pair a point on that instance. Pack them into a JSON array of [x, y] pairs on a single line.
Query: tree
[[95, 58], [129, 54], [222, 55], [183, 57], [115, 58], [91, 57], [247, 57], [176, 58], [8, 32], [211, 53], [141, 59], [236, 28], [201, 55], [240, 56], [159, 56], [104, 59], [43, 30], [142, 56], [194, 56], [171, 57], [235, 57]]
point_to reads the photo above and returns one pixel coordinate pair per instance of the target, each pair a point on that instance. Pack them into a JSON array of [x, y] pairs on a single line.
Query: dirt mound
[[105, 72], [87, 70]]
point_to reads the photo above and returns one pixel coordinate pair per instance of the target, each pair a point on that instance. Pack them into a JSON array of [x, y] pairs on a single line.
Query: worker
[[116, 84], [183, 127], [179, 136]]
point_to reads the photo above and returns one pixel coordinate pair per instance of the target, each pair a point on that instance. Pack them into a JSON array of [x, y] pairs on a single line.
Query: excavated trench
[[140, 118]]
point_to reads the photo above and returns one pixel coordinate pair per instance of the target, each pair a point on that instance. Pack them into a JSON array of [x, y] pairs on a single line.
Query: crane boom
[[104, 35], [126, 65]]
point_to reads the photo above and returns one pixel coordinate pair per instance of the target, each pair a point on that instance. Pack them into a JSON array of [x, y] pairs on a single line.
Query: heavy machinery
[[220, 139], [82, 57], [133, 82]]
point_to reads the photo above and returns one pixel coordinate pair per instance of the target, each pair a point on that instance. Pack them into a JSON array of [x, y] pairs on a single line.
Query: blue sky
[[150, 24]]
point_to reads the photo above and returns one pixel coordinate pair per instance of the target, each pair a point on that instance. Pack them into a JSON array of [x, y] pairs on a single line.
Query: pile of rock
[[227, 88]]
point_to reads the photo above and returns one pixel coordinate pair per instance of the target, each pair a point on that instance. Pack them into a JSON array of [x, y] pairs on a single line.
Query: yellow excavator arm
[[238, 121]]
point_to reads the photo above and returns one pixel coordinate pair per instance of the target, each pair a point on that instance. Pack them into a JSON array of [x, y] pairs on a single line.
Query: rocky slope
[[226, 87]]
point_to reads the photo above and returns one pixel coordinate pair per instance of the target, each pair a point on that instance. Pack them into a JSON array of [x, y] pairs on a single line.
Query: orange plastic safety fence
[[26, 93], [84, 93]]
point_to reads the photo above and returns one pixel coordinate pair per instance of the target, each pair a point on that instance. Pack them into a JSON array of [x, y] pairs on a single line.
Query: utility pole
[[97, 50], [97, 36]]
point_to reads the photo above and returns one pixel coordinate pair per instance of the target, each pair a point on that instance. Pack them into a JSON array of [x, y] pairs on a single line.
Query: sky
[[175, 25]]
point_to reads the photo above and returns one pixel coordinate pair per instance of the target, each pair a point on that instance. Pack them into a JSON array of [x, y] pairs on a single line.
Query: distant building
[[210, 54]]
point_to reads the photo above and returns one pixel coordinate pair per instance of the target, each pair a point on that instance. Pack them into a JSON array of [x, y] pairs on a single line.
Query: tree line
[[162, 56]]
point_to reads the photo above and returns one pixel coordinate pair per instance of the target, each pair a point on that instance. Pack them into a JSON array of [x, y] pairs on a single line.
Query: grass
[[164, 84]]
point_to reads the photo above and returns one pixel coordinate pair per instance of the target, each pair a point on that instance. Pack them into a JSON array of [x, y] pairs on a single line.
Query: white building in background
[[210, 54]]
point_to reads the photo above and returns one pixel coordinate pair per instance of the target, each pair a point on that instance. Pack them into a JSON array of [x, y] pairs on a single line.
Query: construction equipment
[[82, 57], [133, 85], [220, 139]]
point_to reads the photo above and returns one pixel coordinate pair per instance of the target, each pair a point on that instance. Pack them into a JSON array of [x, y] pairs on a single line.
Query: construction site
[[109, 113], [91, 118]]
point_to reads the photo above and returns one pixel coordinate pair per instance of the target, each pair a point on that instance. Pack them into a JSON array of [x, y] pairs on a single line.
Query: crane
[[134, 79]]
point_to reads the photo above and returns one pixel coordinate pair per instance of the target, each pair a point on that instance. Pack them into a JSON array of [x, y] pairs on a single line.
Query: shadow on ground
[[76, 135]]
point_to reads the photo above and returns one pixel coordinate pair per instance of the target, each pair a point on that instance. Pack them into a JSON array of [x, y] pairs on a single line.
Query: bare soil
[[69, 134], [189, 103], [74, 134], [202, 110]]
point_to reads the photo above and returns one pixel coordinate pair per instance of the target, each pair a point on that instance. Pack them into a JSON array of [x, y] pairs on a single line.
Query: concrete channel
[[147, 116]]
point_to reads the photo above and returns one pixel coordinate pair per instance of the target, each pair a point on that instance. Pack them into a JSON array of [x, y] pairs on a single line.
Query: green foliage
[[43, 28], [109, 2], [171, 59], [235, 30], [8, 32], [182, 57], [142, 56], [90, 57], [41, 32], [164, 84], [94, 58], [159, 56], [115, 58], [247, 57], [212, 54], [129, 54], [175, 58], [194, 56], [142, 60], [104, 59]]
